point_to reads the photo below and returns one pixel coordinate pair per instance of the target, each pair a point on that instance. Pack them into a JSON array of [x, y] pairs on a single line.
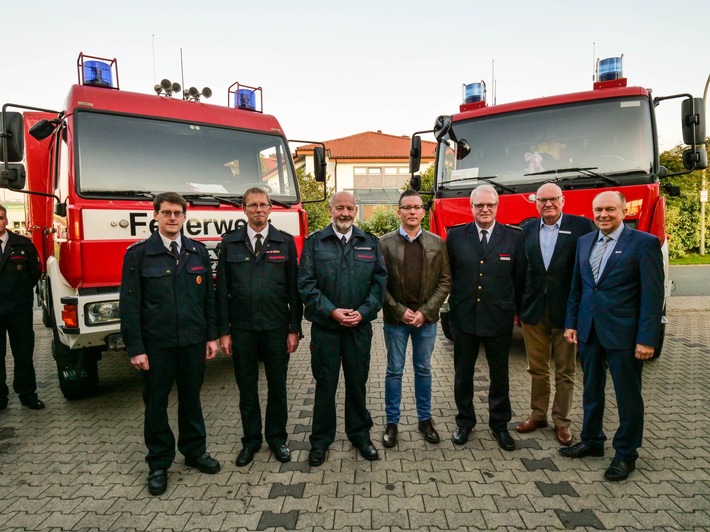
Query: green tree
[[682, 212], [426, 190], [383, 221], [318, 216]]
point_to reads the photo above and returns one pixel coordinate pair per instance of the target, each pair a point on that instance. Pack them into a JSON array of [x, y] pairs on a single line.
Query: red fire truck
[[586, 142], [92, 171]]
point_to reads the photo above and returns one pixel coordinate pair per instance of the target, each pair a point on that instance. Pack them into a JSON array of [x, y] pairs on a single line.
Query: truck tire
[[77, 370], [445, 325], [661, 338]]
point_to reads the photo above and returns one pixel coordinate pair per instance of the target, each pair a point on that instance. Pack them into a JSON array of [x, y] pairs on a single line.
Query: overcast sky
[[331, 69]]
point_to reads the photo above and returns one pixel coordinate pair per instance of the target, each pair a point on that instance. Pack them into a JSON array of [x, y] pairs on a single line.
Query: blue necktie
[[598, 256]]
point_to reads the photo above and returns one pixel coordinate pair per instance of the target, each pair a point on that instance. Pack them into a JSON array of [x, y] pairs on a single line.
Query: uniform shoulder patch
[[514, 227], [136, 243]]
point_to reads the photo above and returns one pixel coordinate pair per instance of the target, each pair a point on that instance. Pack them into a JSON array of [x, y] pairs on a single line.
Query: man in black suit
[[169, 326], [614, 312], [488, 271], [19, 272], [259, 315], [550, 245]]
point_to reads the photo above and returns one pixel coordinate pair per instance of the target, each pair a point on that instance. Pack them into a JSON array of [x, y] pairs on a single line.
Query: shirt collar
[[264, 232], [347, 235], [490, 229], [167, 241], [406, 236], [558, 223], [614, 235]]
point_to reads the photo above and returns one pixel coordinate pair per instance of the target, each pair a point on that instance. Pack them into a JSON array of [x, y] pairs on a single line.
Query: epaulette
[[199, 242], [512, 226], [136, 243]]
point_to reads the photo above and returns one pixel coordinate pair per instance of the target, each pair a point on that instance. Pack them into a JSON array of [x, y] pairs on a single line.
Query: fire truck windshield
[[592, 140], [127, 153]]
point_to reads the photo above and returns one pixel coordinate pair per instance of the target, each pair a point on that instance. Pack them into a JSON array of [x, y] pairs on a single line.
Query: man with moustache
[[550, 246], [342, 281], [488, 270], [614, 314], [259, 315]]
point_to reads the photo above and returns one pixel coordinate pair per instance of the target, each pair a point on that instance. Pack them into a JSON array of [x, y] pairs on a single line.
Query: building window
[[380, 177]]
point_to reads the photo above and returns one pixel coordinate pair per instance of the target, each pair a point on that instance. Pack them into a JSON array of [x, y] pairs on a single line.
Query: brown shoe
[[389, 438], [426, 427], [531, 424], [564, 436]]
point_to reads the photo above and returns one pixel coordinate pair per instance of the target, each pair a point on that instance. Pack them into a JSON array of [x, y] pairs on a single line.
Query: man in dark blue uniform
[[168, 323], [19, 272], [488, 270], [259, 314], [342, 281]]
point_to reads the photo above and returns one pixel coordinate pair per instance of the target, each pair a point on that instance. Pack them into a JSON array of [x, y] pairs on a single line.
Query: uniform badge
[[19, 267], [198, 280]]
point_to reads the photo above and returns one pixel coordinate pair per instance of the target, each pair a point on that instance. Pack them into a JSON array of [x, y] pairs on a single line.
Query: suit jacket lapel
[[536, 250], [472, 234], [618, 250], [494, 238]]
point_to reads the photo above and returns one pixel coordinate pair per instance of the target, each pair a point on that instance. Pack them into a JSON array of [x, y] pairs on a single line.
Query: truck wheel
[[661, 338], [77, 370]]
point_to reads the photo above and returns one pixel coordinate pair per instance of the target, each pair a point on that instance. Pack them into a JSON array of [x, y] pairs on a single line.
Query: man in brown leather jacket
[[417, 284]]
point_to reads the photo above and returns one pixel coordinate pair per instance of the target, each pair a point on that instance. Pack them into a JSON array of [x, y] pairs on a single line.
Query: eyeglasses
[[411, 207], [481, 206], [262, 206], [168, 214], [554, 200]]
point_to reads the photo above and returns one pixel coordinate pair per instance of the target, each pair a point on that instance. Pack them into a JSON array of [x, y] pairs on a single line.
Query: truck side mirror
[[415, 183], [693, 115], [319, 164], [415, 154], [43, 129], [695, 158], [12, 177], [12, 137], [60, 209]]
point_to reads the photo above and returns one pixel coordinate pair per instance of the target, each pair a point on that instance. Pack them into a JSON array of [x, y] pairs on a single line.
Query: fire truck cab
[[92, 170], [585, 142]]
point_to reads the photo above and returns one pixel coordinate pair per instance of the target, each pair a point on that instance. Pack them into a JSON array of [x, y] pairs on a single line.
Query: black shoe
[[3, 403], [204, 464], [619, 470], [461, 435], [426, 427], [505, 440], [33, 403], [281, 453], [245, 456], [368, 451], [158, 481], [389, 438], [317, 456], [580, 450]]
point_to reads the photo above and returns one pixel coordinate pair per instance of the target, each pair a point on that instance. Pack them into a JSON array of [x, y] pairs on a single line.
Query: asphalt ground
[[80, 465]]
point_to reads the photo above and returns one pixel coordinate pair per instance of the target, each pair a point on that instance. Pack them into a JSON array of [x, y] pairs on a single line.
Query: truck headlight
[[102, 313]]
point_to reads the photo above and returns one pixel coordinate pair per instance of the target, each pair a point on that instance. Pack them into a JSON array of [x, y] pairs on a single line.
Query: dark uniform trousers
[[466, 348], [187, 365], [329, 349], [246, 347], [18, 326]]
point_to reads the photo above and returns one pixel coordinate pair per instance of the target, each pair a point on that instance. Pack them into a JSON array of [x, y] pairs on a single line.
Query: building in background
[[372, 165], [14, 202]]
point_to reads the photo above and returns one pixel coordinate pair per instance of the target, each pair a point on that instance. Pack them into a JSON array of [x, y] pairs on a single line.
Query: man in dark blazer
[[550, 247], [487, 262], [259, 315], [614, 313], [20, 270]]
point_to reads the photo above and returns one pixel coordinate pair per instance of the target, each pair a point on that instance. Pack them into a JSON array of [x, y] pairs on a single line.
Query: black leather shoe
[[317, 456], [389, 438], [245, 456], [505, 440], [368, 451], [158, 481], [281, 453], [580, 450], [619, 470], [33, 403], [461, 435], [204, 464], [426, 427]]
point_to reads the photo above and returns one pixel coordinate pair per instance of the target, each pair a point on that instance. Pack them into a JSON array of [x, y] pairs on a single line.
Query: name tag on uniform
[[359, 248], [565, 232], [504, 256], [273, 251], [617, 252]]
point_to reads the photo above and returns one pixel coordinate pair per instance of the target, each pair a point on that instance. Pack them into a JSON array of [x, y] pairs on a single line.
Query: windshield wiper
[[489, 180], [585, 172], [138, 193], [235, 201]]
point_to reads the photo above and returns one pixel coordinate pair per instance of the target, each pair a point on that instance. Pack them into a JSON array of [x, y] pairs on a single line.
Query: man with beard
[[342, 281]]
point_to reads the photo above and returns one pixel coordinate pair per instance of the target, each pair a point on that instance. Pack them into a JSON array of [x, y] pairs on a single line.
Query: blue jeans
[[396, 338]]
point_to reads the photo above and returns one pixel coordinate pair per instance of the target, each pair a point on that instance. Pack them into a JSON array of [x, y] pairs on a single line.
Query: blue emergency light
[[98, 74], [610, 69], [474, 92], [245, 99]]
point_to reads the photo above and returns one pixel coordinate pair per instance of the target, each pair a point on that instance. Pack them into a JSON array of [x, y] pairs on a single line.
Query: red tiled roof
[[372, 145]]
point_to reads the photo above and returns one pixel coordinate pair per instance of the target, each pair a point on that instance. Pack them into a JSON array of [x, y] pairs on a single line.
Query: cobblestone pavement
[[79, 465]]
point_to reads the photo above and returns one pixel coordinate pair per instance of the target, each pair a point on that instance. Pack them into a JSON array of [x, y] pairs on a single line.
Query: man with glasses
[[169, 326], [259, 316], [488, 270], [418, 282], [550, 246], [342, 281]]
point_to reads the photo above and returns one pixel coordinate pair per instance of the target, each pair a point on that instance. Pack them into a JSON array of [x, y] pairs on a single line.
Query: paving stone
[[582, 518], [559, 488], [283, 490], [533, 465]]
